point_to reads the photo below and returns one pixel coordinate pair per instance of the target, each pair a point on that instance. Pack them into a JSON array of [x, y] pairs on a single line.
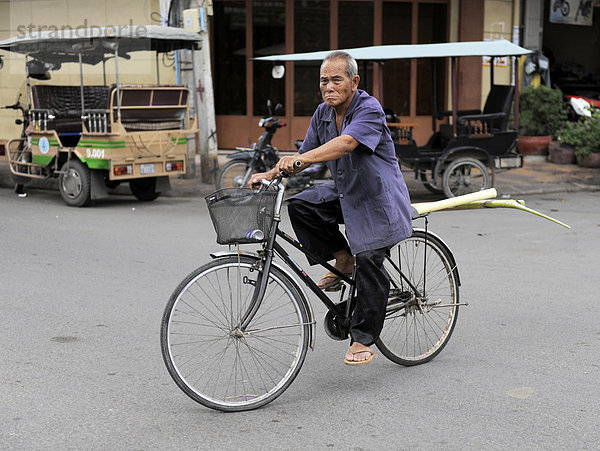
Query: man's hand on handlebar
[[288, 165], [291, 164], [255, 180]]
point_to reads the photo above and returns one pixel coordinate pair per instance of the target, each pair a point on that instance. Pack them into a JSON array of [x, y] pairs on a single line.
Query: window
[[355, 24], [230, 64], [268, 38], [355, 29], [397, 26], [432, 29], [311, 33]]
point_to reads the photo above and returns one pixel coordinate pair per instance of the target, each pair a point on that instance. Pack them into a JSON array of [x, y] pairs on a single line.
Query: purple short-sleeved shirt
[[367, 181]]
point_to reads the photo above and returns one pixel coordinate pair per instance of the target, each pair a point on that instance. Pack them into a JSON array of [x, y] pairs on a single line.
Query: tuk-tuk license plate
[[147, 168], [509, 162]]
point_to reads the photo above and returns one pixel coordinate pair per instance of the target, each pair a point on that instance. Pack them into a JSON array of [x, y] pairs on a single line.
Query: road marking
[[521, 392]]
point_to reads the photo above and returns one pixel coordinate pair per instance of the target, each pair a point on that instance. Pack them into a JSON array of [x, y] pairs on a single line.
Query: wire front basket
[[241, 215]]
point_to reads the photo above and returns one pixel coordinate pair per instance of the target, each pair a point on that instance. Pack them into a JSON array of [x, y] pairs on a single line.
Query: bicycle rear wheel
[[211, 358], [419, 324]]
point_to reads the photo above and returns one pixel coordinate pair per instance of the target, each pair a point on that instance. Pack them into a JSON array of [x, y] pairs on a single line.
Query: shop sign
[[572, 12], [499, 61]]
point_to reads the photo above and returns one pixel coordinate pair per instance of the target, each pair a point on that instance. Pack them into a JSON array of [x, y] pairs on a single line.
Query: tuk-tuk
[[94, 137], [466, 147]]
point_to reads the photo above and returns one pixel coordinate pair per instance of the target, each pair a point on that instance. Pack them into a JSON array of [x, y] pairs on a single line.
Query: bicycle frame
[[267, 258], [272, 247]]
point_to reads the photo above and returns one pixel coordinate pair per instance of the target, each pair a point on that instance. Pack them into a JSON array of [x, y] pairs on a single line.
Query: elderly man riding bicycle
[[368, 195]]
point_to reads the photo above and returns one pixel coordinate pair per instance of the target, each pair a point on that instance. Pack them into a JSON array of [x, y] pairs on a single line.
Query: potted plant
[[542, 113], [560, 152], [584, 136]]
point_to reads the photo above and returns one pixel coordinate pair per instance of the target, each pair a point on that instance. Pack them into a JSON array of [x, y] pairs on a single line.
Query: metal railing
[[97, 121], [40, 119]]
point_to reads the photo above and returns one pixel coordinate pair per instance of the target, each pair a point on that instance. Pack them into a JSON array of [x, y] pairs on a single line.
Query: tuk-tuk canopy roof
[[99, 43], [386, 52]]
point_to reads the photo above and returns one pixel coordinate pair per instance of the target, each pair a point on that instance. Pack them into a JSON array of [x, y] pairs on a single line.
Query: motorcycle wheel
[[234, 174]]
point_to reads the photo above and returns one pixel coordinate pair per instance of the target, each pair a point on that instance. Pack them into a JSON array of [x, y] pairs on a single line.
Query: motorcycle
[[22, 153], [263, 156]]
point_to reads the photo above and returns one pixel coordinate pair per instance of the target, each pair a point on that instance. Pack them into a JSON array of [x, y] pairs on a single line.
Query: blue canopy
[[387, 52]]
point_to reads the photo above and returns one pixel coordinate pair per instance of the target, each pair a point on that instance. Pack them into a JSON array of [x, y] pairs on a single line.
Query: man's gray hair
[[351, 66]]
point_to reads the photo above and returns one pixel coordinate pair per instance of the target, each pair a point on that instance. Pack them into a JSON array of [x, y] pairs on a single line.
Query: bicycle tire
[[418, 332], [231, 175], [211, 360]]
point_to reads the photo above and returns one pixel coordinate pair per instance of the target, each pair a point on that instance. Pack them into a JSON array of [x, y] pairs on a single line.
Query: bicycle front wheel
[[423, 303], [216, 361]]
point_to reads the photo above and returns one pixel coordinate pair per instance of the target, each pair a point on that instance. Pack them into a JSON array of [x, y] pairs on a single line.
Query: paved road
[[81, 298]]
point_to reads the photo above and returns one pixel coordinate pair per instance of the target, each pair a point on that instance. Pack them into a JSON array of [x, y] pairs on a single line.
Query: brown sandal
[[360, 362], [331, 282]]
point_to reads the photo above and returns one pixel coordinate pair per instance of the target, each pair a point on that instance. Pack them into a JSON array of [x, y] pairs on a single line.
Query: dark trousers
[[317, 228]]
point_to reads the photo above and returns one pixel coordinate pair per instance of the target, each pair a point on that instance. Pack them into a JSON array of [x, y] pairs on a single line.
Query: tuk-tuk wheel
[[74, 183], [464, 176], [144, 189], [428, 183]]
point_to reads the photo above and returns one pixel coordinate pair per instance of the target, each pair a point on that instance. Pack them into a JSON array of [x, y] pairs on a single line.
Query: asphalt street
[[82, 292]]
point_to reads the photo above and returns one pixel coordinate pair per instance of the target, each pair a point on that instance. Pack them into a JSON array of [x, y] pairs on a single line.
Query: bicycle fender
[[304, 298], [447, 249], [243, 155]]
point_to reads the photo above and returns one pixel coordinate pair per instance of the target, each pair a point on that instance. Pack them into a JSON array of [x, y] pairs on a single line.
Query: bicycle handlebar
[[275, 181]]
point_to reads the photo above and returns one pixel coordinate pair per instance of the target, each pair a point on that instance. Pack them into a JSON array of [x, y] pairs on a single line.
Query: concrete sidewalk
[[537, 176]]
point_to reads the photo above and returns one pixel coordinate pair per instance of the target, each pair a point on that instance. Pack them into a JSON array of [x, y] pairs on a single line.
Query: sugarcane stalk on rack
[[479, 200]]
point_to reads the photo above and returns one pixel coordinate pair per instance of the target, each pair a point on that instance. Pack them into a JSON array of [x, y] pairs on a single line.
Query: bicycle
[[236, 331]]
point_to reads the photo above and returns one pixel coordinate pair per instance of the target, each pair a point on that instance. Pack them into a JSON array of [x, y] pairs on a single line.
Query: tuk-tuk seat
[[142, 107], [64, 102], [145, 108], [495, 113], [497, 106]]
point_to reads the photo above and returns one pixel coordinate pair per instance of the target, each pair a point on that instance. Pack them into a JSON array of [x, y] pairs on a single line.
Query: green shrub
[[583, 134], [542, 111]]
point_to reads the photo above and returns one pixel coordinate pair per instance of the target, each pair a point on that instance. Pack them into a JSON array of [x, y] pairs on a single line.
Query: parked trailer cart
[[95, 137]]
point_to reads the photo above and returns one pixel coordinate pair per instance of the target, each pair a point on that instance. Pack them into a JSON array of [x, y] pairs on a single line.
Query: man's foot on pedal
[[331, 282]]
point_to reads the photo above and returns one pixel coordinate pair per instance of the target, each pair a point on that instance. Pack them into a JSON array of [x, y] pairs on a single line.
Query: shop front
[[571, 42], [246, 29]]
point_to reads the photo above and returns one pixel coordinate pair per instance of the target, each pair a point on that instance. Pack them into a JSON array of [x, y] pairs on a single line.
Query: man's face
[[336, 87]]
